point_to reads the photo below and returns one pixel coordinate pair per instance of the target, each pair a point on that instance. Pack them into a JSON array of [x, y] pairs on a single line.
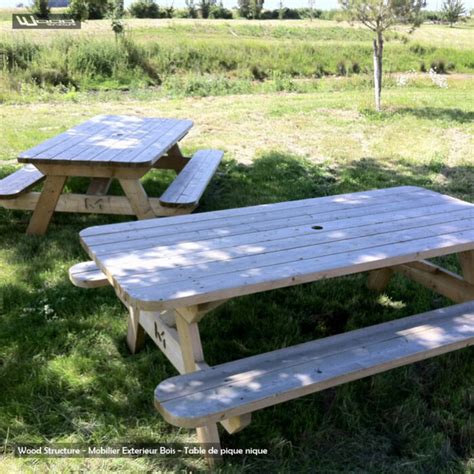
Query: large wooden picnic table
[[173, 271], [105, 147]]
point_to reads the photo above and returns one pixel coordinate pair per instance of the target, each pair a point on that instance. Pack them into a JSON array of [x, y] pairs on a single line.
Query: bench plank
[[87, 275], [250, 384], [20, 181], [190, 184]]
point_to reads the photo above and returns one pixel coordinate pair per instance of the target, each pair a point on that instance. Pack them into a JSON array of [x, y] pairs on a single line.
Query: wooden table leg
[[379, 279], [466, 259], [173, 160], [44, 210], [135, 332], [99, 186], [191, 348], [138, 198]]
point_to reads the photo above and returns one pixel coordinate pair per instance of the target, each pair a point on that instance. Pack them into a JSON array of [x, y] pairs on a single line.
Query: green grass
[[65, 371], [227, 58]]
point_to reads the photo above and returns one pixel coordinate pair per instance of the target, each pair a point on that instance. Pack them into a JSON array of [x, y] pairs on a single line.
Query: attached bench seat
[[87, 275], [250, 384], [20, 182], [190, 184]]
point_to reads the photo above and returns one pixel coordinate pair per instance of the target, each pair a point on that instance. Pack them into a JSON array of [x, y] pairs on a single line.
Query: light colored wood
[[442, 281], [87, 275], [255, 235], [92, 171], [370, 201], [99, 186], [283, 223], [206, 261], [379, 279], [165, 337], [261, 381], [20, 182], [135, 332], [174, 160], [191, 347], [46, 205], [109, 140], [86, 204], [466, 259], [138, 198], [189, 186]]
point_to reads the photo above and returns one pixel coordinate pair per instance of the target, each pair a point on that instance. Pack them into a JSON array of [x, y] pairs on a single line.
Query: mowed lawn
[[66, 374]]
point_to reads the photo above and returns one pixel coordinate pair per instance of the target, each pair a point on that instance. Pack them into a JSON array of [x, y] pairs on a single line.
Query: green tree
[[205, 7], [145, 9], [250, 8], [40, 8], [378, 16], [91, 9], [190, 5], [453, 10]]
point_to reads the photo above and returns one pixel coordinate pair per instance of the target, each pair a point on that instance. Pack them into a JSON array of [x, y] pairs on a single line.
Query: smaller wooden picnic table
[[106, 147], [172, 272]]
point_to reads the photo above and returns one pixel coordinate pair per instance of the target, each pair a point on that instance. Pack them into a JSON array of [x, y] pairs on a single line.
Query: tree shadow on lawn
[[429, 113], [66, 370]]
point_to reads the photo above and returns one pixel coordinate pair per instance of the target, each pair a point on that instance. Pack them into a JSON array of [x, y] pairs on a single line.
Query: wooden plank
[[185, 241], [114, 140], [347, 201], [87, 275], [46, 205], [83, 203], [241, 258], [20, 182], [439, 280], [379, 279], [261, 381], [99, 186], [173, 159], [466, 259], [188, 187], [99, 170], [80, 130], [190, 343], [275, 224], [165, 337], [138, 198], [151, 294], [135, 332]]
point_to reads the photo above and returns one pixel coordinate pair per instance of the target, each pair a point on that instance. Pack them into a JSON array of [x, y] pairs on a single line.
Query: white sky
[[270, 4]]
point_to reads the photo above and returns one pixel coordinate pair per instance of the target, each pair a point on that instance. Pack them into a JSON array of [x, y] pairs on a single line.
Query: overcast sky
[[324, 4]]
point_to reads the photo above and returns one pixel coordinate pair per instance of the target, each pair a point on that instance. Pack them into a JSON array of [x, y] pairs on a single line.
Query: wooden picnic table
[[106, 147], [172, 272]]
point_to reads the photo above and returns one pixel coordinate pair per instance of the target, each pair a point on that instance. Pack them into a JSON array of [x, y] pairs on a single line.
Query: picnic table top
[[186, 260], [111, 140]]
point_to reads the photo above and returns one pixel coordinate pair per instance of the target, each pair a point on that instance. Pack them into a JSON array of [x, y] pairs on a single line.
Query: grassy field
[[197, 58], [65, 372]]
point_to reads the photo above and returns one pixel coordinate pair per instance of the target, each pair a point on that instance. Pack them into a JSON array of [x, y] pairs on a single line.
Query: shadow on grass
[[65, 371]]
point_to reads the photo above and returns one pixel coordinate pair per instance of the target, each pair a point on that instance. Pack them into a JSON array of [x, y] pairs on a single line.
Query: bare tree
[[378, 16], [311, 5]]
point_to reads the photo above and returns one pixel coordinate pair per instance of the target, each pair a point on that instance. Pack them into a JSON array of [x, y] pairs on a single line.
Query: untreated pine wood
[[257, 382], [84, 203], [438, 279], [46, 205], [138, 198], [191, 347], [93, 170], [135, 332], [20, 182], [99, 186], [87, 275], [173, 160], [466, 259], [379, 279]]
